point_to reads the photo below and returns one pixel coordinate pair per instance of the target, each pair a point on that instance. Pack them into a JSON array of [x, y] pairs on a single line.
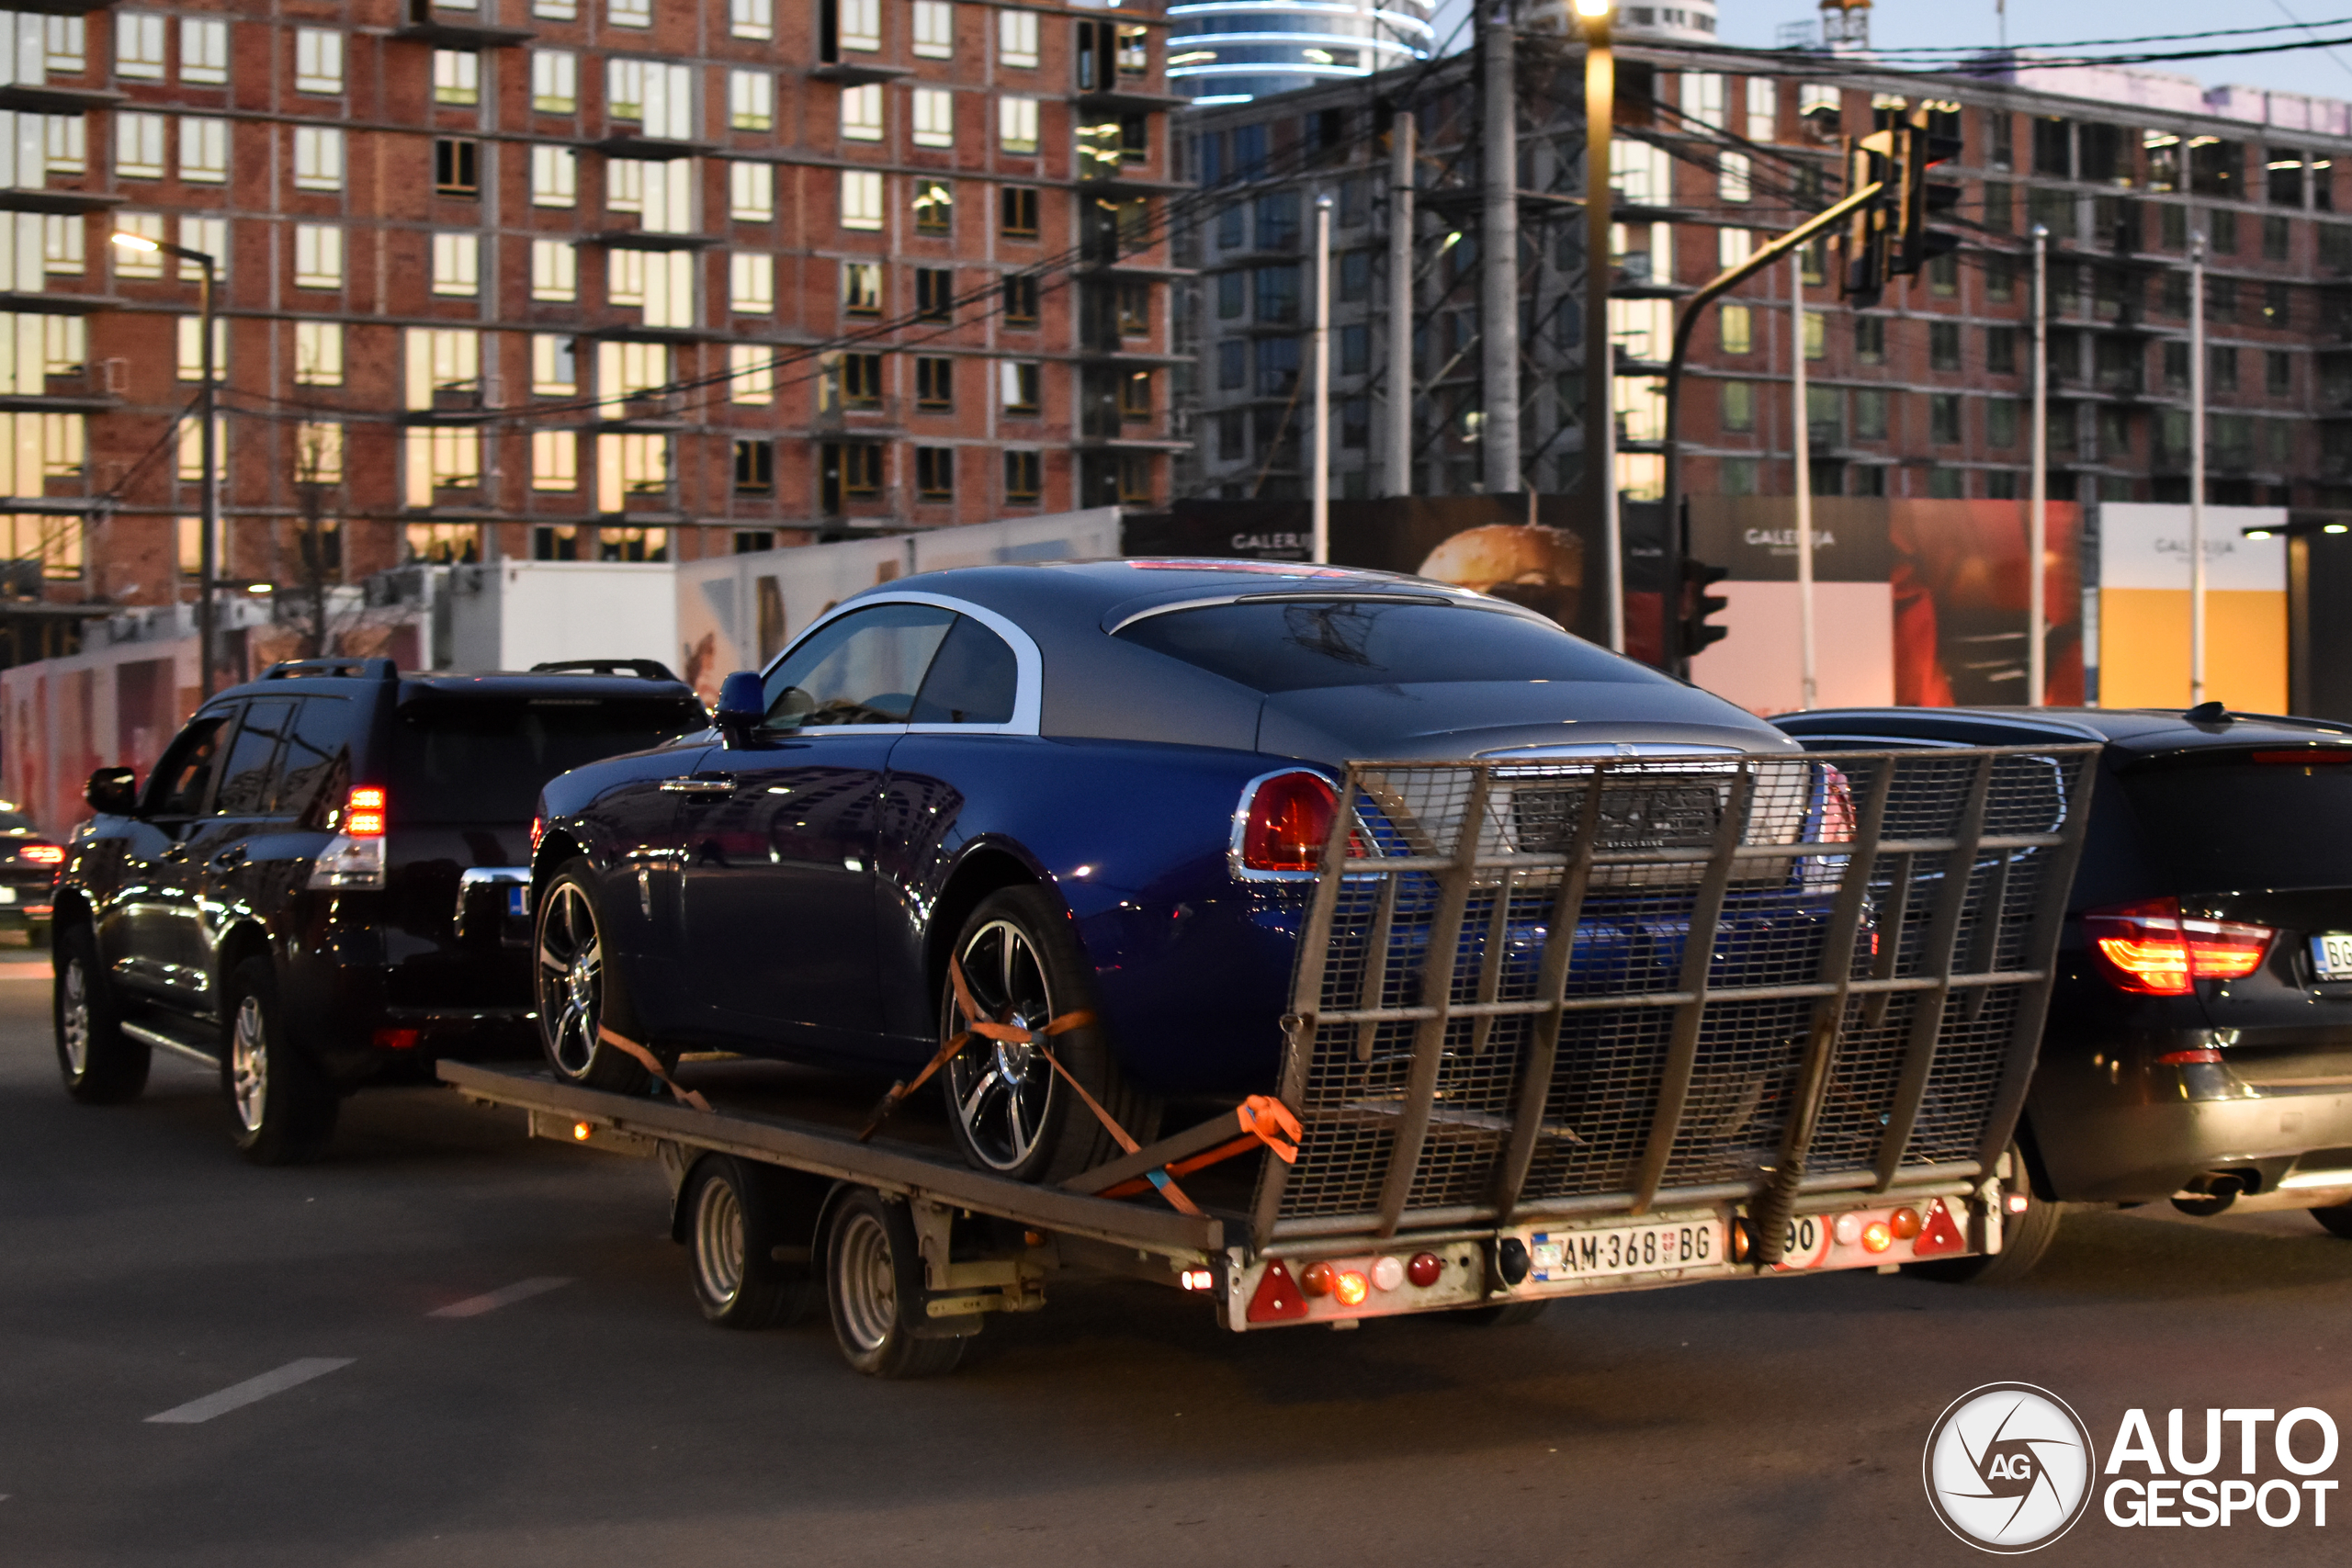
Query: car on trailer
[[2199, 1048], [1502, 968], [325, 881]]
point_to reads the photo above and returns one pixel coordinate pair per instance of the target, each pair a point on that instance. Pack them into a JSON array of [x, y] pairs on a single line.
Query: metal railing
[[1609, 986]]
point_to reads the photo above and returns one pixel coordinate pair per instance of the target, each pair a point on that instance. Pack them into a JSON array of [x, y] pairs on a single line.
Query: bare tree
[[318, 471]]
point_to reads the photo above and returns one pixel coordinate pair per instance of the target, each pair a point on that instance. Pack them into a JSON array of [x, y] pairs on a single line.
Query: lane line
[[250, 1391], [521, 1291]]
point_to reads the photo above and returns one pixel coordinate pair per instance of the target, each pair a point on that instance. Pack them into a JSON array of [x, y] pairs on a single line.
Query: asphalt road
[[584, 1414]]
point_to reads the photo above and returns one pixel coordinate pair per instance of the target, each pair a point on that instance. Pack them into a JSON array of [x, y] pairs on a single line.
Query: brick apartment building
[[1925, 395], [571, 279]]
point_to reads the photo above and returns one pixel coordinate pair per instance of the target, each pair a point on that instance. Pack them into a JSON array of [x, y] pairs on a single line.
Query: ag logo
[[2010, 1467]]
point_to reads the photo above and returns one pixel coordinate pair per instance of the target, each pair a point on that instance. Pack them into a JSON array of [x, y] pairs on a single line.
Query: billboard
[[2143, 588]]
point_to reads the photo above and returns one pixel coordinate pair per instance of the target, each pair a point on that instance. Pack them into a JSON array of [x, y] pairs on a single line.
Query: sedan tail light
[[1837, 808], [40, 854], [2152, 949], [1286, 819]]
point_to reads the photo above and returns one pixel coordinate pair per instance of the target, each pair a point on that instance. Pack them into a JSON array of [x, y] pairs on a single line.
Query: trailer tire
[[577, 990], [1011, 1113], [874, 1289], [1505, 1315], [733, 1228], [100, 1064], [2024, 1238]]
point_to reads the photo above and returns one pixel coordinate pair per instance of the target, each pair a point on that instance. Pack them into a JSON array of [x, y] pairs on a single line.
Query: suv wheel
[[281, 1110], [576, 990], [101, 1064]]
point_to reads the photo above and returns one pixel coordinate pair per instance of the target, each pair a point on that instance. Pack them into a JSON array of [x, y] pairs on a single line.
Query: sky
[[1950, 24]]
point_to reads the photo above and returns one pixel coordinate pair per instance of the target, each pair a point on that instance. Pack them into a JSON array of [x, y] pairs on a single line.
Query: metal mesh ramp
[[1600, 987]]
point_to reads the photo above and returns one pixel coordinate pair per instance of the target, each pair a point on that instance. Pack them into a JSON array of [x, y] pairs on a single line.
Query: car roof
[[2145, 731], [444, 685]]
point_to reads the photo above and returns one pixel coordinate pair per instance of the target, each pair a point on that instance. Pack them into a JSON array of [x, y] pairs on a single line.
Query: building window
[[453, 455], [751, 374], [751, 282], [65, 46], [204, 149], [555, 271], [2277, 373], [1943, 418], [750, 100], [1134, 395], [934, 382], [1232, 296], [751, 192], [555, 175], [457, 76], [555, 366], [1733, 181], [556, 10], [752, 541], [2221, 368], [205, 236], [1869, 339], [554, 81], [754, 466], [559, 541], [853, 470], [1738, 405], [456, 170], [1017, 212], [204, 49], [138, 46], [2001, 421], [2001, 350], [1024, 479], [862, 287], [1943, 345], [934, 29], [934, 117], [859, 23], [1736, 324], [750, 19], [318, 353], [1870, 414], [318, 61], [934, 473], [1355, 349], [555, 463], [191, 453], [935, 293], [457, 265], [633, 543], [1016, 118], [66, 143], [1134, 46], [318, 156], [318, 255], [1018, 381], [861, 114], [861, 198], [934, 208], [61, 245], [1017, 38], [139, 145], [1232, 364], [632, 369], [1020, 301], [191, 348], [443, 543], [630, 13]]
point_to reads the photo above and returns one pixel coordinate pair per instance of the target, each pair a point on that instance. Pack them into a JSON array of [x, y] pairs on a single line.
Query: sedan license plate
[[1624, 1249], [2332, 956]]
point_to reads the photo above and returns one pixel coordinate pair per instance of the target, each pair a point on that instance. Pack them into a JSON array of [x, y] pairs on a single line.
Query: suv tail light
[[363, 812], [1286, 819], [42, 855], [2152, 949], [354, 859]]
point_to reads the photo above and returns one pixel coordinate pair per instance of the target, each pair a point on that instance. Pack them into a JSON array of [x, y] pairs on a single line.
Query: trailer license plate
[[2332, 956], [1624, 1249]]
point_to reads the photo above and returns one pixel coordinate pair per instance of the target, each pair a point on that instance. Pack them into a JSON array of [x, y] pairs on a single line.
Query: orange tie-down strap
[[1258, 1122], [975, 1022], [652, 1065]]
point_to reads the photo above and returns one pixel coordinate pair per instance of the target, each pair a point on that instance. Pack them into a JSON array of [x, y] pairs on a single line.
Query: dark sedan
[[28, 862], [2199, 1047], [1100, 787]]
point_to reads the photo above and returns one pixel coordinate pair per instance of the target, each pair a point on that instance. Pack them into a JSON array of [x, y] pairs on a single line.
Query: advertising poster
[[2143, 585]]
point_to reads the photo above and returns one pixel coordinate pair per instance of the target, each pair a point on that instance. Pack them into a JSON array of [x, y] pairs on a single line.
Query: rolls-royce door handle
[[702, 786]]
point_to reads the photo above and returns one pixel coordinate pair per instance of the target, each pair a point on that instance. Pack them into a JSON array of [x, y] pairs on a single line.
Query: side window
[[864, 667], [182, 780], [317, 764], [971, 682], [249, 780]]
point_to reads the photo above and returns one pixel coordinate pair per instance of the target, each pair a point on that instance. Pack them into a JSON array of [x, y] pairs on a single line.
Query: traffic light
[[1874, 159], [1692, 632], [1914, 243]]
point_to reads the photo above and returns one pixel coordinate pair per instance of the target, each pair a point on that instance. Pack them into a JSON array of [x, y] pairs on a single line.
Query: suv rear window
[[1306, 645], [2212, 820], [484, 759]]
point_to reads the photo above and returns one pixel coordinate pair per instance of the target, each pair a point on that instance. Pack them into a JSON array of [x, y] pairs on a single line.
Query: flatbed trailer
[[1557, 1027]]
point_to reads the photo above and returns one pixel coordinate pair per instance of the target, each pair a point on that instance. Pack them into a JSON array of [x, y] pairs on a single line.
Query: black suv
[[2199, 1047], [325, 881]]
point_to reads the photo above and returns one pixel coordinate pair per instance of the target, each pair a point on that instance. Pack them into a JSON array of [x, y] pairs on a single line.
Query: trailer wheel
[[874, 1291], [731, 1228], [1011, 1113], [2024, 1238], [577, 989], [100, 1064]]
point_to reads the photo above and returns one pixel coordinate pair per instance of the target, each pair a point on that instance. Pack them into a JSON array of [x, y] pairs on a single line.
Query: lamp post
[[2037, 492], [1321, 479], [2196, 469], [1808, 670], [1599, 394], [209, 524]]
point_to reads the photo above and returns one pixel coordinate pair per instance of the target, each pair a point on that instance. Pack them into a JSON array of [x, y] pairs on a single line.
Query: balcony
[[858, 72], [424, 26], [647, 240], [66, 203], [93, 390]]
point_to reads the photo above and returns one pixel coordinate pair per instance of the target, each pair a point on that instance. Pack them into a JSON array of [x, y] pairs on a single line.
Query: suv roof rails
[[361, 669], [648, 668]]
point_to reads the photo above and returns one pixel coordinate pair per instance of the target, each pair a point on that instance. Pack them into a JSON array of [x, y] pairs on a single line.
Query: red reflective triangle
[[1278, 1299], [1939, 1235]]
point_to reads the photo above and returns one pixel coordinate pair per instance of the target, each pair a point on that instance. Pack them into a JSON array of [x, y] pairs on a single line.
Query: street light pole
[[1322, 475], [1600, 392], [2196, 469], [2038, 504], [1400, 301], [209, 524], [1800, 417]]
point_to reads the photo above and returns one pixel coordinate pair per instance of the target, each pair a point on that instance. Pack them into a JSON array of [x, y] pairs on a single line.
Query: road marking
[[251, 1389], [521, 1291]]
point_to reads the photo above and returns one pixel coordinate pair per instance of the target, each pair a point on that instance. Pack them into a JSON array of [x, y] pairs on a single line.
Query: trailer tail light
[[2150, 949], [1316, 1279], [1285, 820], [1197, 1279], [363, 813], [42, 855], [2201, 1056], [1906, 1224], [397, 1038], [1877, 1236], [1350, 1289], [1424, 1270]]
